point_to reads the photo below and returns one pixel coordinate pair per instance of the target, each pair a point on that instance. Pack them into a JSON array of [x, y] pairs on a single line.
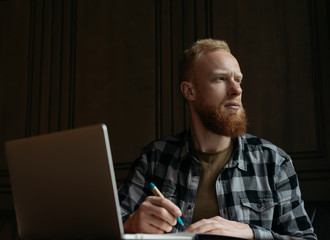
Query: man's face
[[217, 78]]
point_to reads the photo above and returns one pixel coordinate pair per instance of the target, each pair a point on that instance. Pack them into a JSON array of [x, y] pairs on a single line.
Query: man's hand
[[155, 215], [219, 225]]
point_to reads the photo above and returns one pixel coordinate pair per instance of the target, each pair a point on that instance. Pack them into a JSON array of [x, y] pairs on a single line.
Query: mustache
[[232, 102]]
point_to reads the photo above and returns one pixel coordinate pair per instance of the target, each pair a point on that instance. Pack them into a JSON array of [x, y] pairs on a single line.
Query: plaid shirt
[[257, 186]]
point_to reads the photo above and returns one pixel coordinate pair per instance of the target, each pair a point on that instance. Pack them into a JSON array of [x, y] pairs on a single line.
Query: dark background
[[66, 64]]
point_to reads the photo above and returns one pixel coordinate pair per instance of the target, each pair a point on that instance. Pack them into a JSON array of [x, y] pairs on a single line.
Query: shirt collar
[[237, 158]]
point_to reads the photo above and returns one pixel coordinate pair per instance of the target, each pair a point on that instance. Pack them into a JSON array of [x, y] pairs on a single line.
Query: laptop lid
[[64, 185]]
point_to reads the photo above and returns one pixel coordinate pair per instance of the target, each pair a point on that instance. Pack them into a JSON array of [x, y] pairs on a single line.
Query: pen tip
[[180, 221]]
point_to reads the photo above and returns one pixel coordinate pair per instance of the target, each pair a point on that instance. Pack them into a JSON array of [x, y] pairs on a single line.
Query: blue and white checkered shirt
[[257, 186]]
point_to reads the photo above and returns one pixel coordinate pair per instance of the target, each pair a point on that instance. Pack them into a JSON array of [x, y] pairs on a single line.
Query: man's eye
[[221, 78], [238, 80]]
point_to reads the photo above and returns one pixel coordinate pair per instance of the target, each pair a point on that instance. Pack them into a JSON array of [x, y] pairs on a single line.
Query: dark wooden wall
[[66, 64]]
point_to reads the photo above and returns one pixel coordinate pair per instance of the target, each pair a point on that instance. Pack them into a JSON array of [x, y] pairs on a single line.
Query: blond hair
[[192, 53]]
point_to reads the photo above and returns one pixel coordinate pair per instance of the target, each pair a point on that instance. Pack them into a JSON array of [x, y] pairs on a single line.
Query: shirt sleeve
[[290, 218], [135, 189]]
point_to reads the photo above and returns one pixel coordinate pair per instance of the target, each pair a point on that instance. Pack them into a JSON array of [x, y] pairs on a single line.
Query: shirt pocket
[[169, 191], [258, 210]]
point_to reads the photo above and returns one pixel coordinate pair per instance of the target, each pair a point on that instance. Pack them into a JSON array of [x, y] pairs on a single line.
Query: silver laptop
[[64, 187]]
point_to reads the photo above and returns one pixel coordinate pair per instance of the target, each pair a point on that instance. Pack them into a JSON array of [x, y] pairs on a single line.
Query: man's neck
[[207, 141]]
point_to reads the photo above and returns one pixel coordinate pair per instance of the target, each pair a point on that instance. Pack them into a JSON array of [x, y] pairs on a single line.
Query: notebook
[[64, 187]]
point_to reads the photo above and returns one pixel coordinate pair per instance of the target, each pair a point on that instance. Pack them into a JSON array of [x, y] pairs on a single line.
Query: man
[[214, 176]]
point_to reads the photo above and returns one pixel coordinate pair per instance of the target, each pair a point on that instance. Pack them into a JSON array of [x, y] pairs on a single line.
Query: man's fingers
[[202, 226], [162, 225], [155, 226], [163, 209], [167, 204], [154, 211], [155, 215], [209, 225], [222, 226]]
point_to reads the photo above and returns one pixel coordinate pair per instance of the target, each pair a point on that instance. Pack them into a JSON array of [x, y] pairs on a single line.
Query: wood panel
[[37, 67], [14, 24], [115, 80], [51, 67], [66, 64]]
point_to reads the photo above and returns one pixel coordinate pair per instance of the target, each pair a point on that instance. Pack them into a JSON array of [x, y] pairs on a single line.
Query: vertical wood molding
[[158, 67], [317, 81], [30, 68], [209, 18], [320, 169], [51, 65], [320, 155], [50, 93], [73, 47]]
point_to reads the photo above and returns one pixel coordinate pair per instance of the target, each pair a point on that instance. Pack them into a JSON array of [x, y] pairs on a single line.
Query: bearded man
[[214, 176]]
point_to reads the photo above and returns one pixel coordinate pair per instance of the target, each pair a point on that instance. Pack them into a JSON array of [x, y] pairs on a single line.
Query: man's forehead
[[217, 60]]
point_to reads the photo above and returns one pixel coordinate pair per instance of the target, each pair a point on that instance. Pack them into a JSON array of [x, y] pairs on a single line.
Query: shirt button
[[259, 205]]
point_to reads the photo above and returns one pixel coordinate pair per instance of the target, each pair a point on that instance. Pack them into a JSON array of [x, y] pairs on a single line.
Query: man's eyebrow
[[226, 72], [239, 74]]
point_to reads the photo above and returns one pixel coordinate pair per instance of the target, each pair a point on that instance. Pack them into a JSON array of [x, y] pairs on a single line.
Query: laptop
[[64, 187]]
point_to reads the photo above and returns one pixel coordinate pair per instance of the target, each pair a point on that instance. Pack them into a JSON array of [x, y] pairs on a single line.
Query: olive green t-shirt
[[206, 205]]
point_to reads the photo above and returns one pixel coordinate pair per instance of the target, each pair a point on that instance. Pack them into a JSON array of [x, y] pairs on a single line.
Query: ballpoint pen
[[156, 192]]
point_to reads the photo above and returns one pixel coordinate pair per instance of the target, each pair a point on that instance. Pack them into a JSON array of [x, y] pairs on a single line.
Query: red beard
[[218, 120]]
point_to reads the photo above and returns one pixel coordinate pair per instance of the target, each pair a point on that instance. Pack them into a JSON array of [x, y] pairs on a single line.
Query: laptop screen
[[64, 185]]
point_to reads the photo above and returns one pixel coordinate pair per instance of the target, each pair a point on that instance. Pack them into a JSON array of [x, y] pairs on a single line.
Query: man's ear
[[188, 91]]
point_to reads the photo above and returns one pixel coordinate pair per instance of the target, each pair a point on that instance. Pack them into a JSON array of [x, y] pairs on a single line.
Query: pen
[[156, 192]]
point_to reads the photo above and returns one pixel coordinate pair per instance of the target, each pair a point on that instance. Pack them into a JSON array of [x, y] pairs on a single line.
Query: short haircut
[[196, 49]]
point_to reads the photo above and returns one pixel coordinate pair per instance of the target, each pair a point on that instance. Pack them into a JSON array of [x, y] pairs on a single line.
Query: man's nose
[[234, 88]]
